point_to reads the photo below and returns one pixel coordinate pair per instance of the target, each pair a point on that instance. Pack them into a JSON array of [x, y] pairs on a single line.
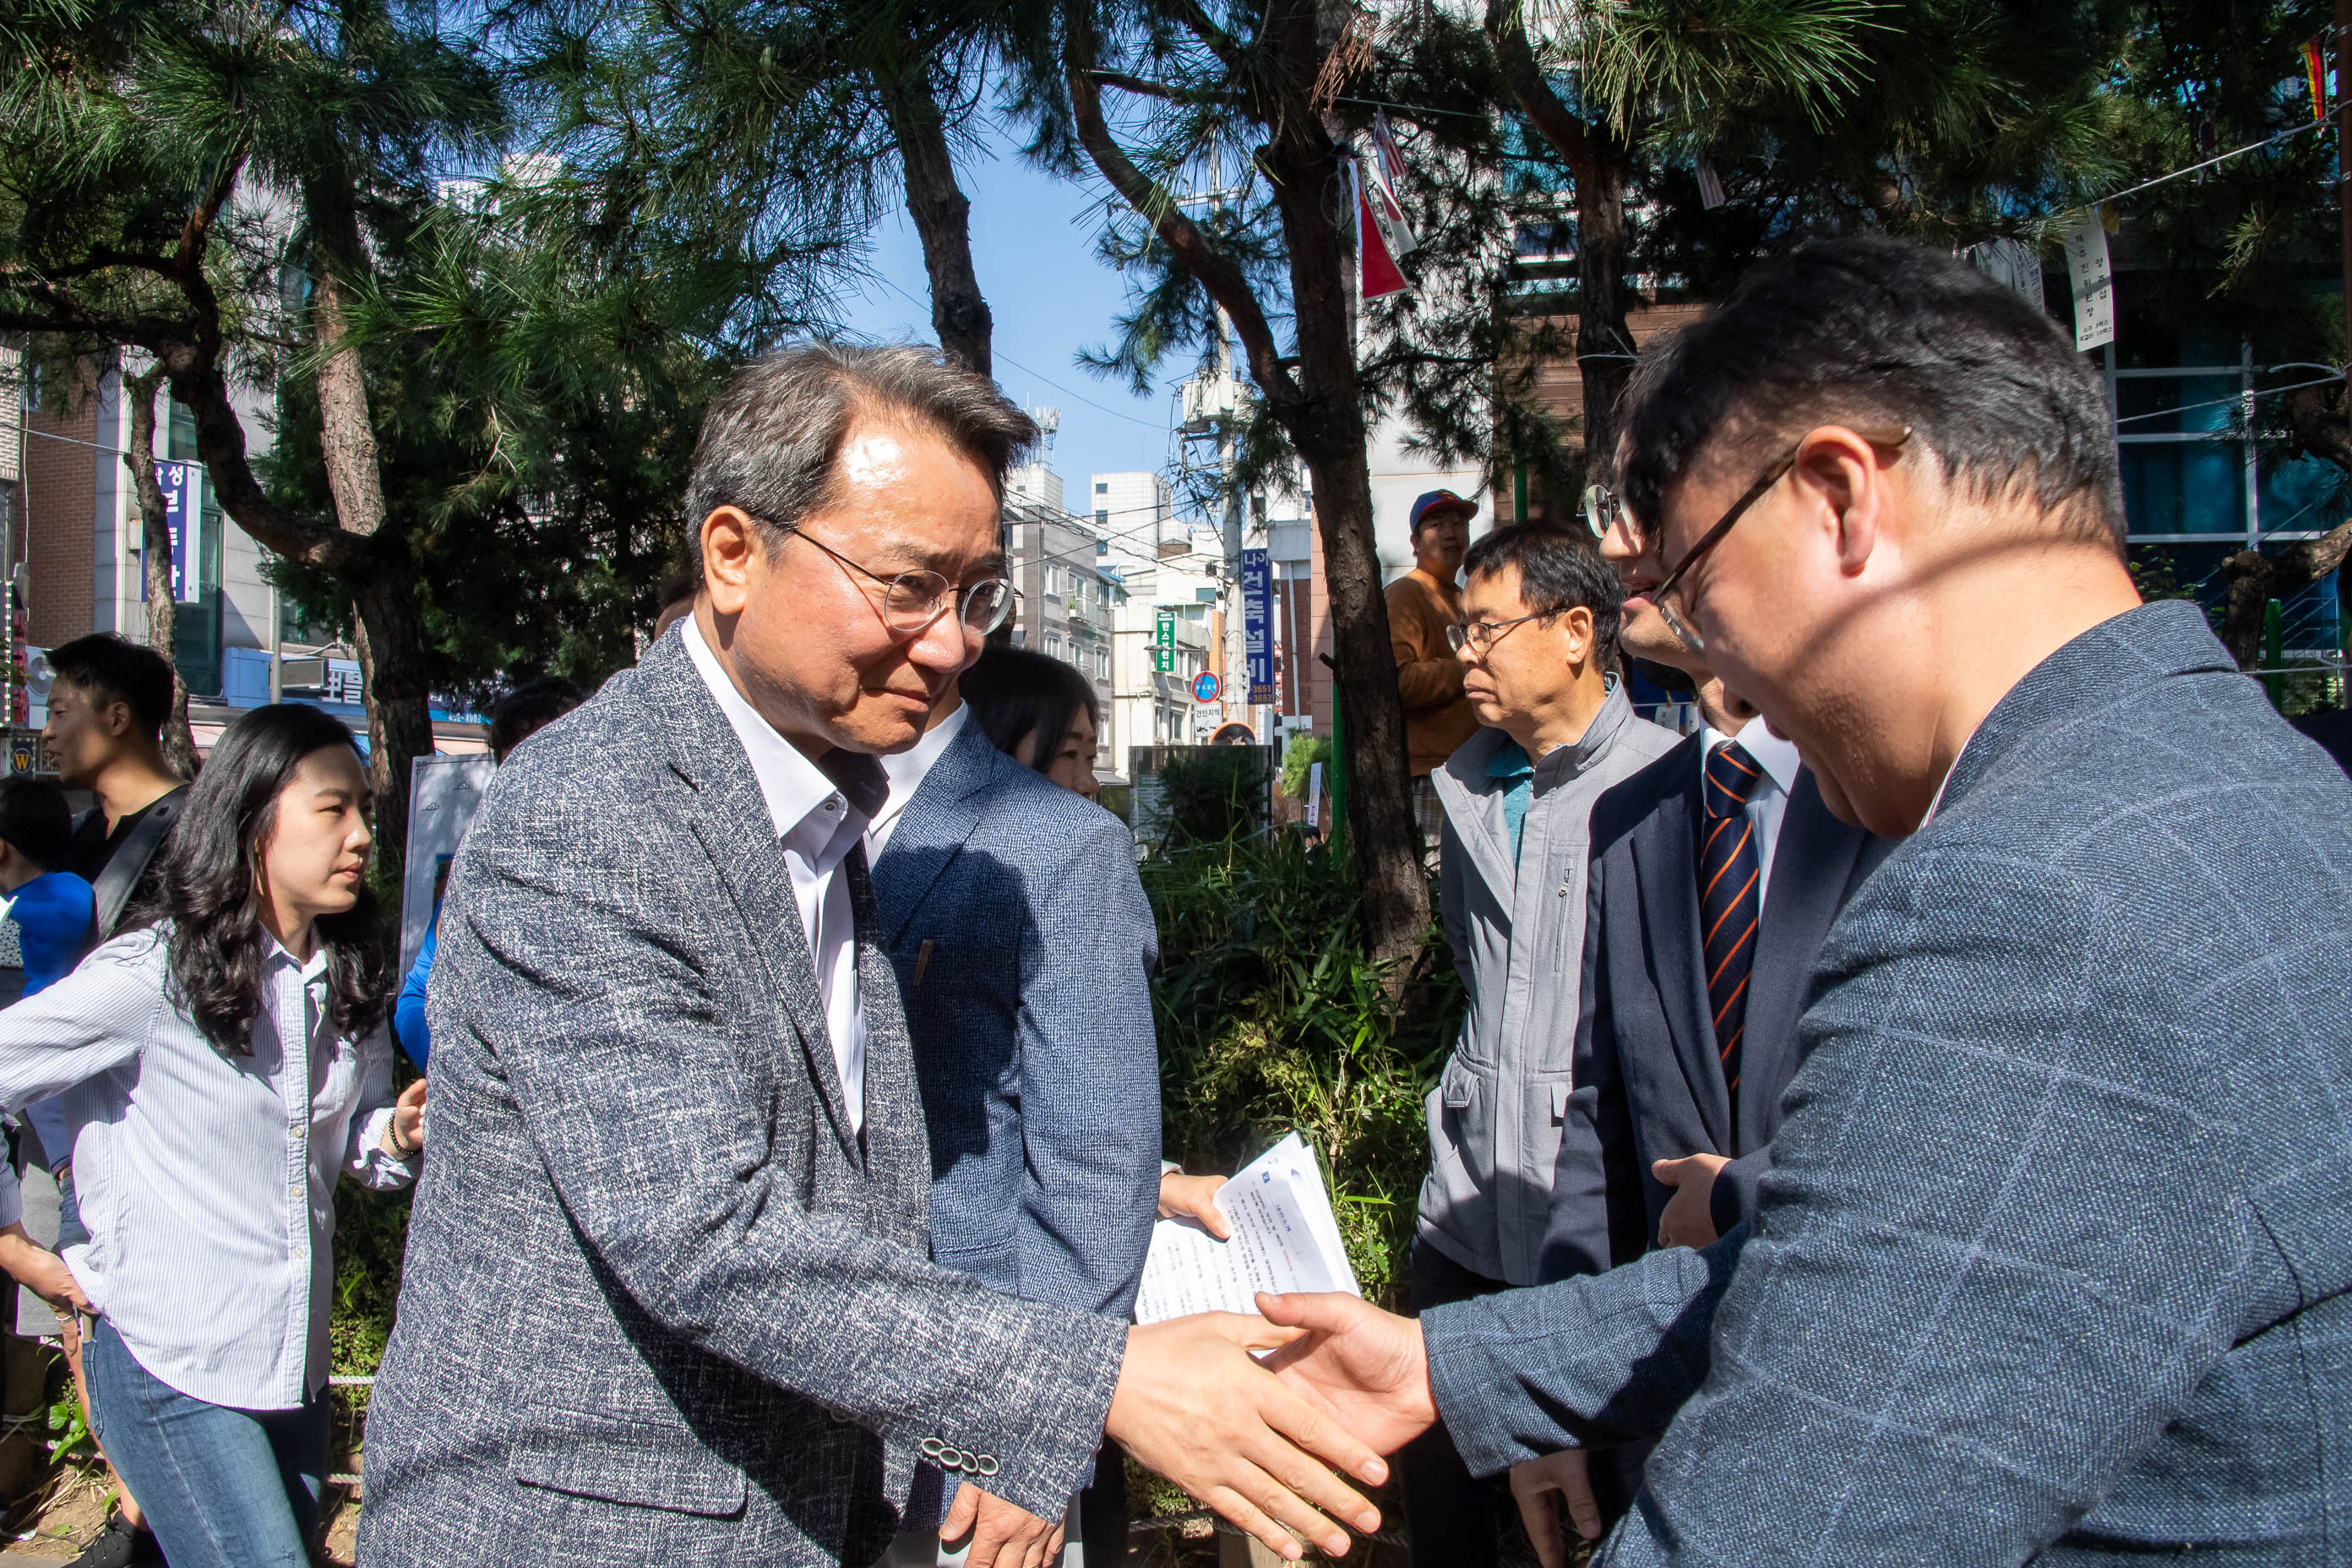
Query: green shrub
[[1303, 752], [1271, 1017], [1213, 794]]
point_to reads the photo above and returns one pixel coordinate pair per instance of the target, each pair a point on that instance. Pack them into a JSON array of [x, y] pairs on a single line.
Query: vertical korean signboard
[[1257, 623], [184, 510], [1164, 643]]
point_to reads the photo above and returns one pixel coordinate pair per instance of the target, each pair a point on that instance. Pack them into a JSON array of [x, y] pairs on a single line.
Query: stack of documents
[[1285, 1238]]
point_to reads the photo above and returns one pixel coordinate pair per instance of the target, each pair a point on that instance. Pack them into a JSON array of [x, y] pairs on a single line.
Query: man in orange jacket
[[1423, 604]]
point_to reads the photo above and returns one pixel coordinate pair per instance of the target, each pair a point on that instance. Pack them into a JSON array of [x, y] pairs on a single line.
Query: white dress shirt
[[1769, 802], [907, 771], [818, 829], [207, 1180]]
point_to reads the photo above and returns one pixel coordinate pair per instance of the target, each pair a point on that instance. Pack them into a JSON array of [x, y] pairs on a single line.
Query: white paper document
[[1285, 1238]]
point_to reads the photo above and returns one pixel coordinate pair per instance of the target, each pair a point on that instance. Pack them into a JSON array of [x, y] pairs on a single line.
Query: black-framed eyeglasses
[[912, 601], [1659, 595], [1479, 635]]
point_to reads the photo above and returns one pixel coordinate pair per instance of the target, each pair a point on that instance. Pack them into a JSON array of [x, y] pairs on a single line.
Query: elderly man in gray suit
[[667, 1297], [2053, 1262]]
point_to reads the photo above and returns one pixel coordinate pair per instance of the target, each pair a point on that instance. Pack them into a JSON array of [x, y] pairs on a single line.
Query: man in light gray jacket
[[1540, 618]]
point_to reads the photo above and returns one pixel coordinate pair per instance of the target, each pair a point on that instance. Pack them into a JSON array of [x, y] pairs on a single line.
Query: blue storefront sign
[[1258, 623]]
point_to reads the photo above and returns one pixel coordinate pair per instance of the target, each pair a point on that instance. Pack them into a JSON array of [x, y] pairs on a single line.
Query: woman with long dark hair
[[220, 1068], [1038, 710]]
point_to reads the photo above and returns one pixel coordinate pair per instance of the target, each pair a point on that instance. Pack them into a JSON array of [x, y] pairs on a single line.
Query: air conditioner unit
[[304, 674]]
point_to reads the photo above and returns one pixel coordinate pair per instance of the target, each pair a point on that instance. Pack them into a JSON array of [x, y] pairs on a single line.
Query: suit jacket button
[[987, 1465]]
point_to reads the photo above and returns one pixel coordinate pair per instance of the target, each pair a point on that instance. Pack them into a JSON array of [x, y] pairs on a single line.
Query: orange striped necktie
[[1731, 879]]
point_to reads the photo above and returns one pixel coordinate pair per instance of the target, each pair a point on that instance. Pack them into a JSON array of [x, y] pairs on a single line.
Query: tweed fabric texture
[[2054, 1260], [661, 1304]]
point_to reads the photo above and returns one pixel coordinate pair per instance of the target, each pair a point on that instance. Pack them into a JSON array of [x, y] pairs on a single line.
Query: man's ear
[[117, 718], [730, 538], [1840, 472], [1577, 621]]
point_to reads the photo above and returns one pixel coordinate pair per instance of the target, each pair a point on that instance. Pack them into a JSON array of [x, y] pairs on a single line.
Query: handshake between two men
[[1345, 1383]]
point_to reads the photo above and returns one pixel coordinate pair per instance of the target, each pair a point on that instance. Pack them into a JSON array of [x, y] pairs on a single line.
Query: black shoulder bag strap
[[112, 890]]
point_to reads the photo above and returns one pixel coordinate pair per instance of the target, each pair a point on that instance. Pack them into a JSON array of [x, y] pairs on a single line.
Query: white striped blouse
[[207, 1182]]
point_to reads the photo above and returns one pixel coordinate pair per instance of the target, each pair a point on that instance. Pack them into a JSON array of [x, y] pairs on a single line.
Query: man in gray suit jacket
[[667, 1297], [2054, 1259]]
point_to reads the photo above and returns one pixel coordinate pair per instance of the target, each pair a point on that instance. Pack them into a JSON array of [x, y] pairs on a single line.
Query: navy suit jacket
[[1649, 1082], [2054, 1259], [1011, 911]]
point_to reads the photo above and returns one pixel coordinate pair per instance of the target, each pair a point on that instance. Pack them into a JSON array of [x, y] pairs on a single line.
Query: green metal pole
[[2273, 654], [1339, 765], [1518, 492]]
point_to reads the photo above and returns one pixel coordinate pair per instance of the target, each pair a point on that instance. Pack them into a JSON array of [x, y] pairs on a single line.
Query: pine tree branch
[[1192, 247], [1560, 127], [1160, 89]]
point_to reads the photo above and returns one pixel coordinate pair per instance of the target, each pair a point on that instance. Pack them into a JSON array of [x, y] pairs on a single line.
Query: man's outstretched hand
[[1192, 1404], [1367, 1369]]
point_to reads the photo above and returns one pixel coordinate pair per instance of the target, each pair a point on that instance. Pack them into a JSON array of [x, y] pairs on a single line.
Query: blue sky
[[1032, 245]]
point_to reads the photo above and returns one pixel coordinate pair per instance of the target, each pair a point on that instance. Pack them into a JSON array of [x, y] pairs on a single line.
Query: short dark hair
[[771, 438], [1885, 332], [1017, 692], [528, 709], [112, 668], [35, 819], [1558, 571]]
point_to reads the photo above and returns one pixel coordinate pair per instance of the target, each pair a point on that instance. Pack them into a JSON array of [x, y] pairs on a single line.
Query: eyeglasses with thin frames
[[1660, 596], [1480, 634], [912, 601]]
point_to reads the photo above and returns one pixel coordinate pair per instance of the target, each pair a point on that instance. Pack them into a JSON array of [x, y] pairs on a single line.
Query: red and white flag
[[1383, 235]]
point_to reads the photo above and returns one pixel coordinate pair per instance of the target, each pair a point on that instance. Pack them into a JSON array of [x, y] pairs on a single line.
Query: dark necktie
[[1731, 871]]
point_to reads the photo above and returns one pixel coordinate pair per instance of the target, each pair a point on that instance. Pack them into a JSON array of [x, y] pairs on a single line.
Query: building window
[[1053, 646], [1102, 487], [1102, 518]]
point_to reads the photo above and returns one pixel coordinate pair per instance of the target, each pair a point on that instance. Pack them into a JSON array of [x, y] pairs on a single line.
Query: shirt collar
[[1779, 758], [906, 769], [313, 969], [790, 783]]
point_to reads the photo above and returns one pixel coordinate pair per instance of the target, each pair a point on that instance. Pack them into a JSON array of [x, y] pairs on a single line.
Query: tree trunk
[[1604, 347], [2256, 579], [391, 637], [155, 560], [1597, 160], [1326, 424], [942, 215]]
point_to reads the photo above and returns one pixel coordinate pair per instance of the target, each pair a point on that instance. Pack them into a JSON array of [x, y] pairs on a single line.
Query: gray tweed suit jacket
[[2053, 1261], [661, 1304]]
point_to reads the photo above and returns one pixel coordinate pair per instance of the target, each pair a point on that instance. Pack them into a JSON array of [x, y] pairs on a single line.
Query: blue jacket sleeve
[[408, 1024], [1089, 1080]]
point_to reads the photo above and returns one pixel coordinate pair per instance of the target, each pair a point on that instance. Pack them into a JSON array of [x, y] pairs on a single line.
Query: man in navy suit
[[1023, 946], [2053, 1262], [1716, 873]]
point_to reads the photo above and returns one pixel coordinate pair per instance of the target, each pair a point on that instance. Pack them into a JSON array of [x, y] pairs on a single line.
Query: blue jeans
[[221, 1488]]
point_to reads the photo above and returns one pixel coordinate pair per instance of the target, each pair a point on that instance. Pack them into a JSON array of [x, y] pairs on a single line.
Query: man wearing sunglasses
[[668, 1296], [2054, 1260]]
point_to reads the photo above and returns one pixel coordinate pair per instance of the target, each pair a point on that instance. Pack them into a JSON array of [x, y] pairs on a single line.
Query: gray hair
[[771, 438]]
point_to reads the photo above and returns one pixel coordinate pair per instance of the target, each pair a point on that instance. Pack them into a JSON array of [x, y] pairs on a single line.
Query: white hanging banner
[[2085, 239], [2011, 262]]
